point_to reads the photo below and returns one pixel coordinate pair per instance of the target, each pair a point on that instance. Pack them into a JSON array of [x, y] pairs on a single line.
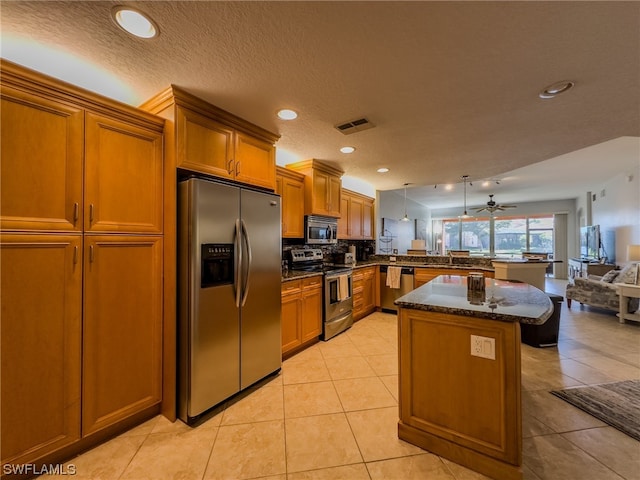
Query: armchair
[[600, 292]]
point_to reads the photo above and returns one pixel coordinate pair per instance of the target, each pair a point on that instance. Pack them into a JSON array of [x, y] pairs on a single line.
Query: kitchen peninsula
[[460, 370]]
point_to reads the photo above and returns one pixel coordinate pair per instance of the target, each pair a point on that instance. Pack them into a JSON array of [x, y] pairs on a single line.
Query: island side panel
[[462, 407]]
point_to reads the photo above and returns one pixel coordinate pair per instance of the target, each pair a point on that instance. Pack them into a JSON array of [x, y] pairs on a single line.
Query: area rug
[[617, 404]]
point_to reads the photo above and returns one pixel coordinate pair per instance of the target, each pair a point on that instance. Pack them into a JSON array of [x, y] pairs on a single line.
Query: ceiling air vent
[[354, 126]]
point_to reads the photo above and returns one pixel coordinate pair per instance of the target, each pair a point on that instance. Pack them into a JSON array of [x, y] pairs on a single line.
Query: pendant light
[[406, 217], [464, 181]]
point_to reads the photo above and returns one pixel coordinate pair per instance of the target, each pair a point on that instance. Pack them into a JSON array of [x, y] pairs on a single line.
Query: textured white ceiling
[[451, 86]]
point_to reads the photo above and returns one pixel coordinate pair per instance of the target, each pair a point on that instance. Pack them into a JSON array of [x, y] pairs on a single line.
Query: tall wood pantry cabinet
[[81, 247]]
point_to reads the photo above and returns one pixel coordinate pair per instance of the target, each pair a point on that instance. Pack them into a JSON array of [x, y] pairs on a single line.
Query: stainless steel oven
[[338, 302], [337, 306], [320, 230]]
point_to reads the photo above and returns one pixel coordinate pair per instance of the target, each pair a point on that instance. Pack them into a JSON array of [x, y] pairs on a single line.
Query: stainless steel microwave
[[320, 230]]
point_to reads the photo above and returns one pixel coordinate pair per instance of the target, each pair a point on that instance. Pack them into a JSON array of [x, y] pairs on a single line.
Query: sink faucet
[[450, 258]]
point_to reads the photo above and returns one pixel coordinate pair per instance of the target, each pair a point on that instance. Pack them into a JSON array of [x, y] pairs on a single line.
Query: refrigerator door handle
[[247, 276], [238, 260]]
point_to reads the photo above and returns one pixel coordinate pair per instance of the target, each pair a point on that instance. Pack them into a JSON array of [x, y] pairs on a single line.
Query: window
[[540, 234], [511, 236], [497, 236]]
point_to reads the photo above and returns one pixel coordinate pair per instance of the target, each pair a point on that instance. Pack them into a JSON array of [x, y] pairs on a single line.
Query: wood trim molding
[[25, 79], [314, 164], [178, 96]]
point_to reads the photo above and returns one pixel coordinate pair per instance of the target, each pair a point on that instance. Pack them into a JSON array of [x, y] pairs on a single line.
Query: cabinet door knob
[[75, 254], [91, 213], [91, 253], [237, 168], [76, 209], [230, 166]]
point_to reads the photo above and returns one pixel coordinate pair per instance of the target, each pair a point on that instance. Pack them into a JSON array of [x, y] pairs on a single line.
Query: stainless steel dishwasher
[[387, 294]]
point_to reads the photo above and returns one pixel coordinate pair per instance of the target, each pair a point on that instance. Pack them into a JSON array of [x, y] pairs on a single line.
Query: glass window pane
[[475, 236], [511, 236], [451, 234]]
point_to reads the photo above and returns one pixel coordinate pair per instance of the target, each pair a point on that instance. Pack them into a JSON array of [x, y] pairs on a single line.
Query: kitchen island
[[460, 370]]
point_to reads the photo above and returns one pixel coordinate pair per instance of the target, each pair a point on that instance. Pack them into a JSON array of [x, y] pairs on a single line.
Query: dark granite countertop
[[298, 274], [504, 301], [418, 264]]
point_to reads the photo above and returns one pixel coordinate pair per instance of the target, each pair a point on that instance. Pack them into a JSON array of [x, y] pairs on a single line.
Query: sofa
[[601, 291]]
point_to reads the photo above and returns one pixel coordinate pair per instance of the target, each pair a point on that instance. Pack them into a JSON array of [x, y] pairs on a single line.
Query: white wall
[[616, 209], [390, 204]]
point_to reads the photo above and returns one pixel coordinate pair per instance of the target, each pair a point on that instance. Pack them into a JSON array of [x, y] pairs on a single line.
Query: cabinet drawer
[[313, 282], [290, 287]]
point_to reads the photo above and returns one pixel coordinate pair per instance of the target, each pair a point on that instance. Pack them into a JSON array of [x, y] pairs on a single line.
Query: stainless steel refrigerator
[[229, 270]]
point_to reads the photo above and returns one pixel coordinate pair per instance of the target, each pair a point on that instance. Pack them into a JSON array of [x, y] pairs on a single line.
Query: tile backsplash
[[363, 247]]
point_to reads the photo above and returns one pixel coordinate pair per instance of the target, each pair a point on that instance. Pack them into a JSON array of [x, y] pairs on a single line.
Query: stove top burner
[[312, 260]]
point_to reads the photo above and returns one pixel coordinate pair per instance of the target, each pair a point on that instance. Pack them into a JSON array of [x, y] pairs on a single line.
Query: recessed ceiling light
[[134, 22], [383, 170], [287, 114], [556, 89], [348, 149], [448, 187]]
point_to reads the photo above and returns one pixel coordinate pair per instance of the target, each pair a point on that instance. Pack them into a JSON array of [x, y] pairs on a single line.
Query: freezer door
[[260, 340], [209, 335]]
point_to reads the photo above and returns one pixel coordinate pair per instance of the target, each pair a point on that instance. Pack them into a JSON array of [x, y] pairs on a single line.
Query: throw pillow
[[610, 276], [628, 274]]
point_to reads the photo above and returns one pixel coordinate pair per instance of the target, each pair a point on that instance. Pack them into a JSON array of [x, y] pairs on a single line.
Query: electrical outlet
[[484, 347]]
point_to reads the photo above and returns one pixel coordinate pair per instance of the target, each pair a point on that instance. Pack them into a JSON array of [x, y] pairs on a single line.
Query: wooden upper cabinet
[[344, 224], [255, 161], [335, 193], [41, 166], [356, 217], [203, 144], [368, 232], [123, 187], [323, 187], [356, 222], [41, 283], [122, 330], [290, 186], [206, 139]]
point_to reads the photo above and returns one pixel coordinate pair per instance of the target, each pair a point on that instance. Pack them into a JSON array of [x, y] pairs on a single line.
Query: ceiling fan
[[492, 206]]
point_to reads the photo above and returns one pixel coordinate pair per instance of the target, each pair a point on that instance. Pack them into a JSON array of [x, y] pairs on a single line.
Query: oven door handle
[[247, 275]]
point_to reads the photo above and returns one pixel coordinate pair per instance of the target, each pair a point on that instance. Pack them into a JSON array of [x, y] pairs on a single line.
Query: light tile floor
[[332, 414]]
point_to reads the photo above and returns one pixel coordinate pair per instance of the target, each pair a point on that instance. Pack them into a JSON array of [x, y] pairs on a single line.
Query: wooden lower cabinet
[[41, 285], [364, 292], [424, 275], [291, 314], [122, 330], [301, 312]]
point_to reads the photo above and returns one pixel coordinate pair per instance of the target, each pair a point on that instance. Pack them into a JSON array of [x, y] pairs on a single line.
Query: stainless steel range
[[337, 312]]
